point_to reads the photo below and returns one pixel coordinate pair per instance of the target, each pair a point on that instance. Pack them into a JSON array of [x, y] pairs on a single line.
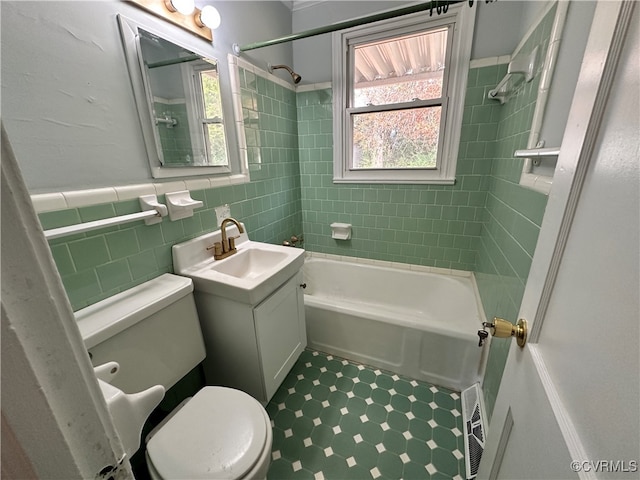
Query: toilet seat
[[220, 433]]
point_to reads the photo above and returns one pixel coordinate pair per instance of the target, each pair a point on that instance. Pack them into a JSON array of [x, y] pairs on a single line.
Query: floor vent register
[[473, 416]]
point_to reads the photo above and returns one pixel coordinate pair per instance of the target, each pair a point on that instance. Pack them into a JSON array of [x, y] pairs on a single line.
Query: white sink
[[248, 276], [249, 263]]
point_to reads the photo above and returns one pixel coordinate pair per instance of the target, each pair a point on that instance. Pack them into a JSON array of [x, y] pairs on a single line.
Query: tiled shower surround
[[433, 225], [512, 218], [485, 223]]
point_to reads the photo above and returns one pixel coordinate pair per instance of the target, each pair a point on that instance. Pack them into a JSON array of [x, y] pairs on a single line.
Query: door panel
[[280, 332], [533, 419], [573, 389]]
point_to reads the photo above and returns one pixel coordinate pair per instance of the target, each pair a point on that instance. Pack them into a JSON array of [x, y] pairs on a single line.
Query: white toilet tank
[[151, 330]]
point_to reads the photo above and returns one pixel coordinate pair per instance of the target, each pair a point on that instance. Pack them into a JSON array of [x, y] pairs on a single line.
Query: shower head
[[296, 78]]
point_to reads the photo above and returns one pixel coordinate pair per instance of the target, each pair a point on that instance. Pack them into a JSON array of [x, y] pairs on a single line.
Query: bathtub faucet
[[292, 241]]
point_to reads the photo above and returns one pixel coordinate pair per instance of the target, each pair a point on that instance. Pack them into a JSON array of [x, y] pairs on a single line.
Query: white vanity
[[251, 309]]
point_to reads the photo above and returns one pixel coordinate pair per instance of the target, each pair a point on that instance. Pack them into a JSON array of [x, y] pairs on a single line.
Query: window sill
[[409, 176]]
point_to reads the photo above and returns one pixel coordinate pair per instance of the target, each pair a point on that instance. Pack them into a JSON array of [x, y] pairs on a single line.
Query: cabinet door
[[281, 332]]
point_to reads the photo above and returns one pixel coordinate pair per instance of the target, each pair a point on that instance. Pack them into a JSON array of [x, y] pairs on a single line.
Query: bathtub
[[408, 320]]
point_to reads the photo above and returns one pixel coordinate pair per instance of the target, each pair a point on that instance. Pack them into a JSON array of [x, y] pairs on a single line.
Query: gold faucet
[[227, 246]]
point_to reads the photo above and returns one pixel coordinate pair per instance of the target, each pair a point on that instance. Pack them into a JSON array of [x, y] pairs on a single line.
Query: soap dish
[[181, 205], [341, 231]]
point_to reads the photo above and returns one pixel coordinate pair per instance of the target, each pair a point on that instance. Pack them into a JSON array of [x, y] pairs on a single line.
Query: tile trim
[[271, 77], [314, 86], [397, 265], [242, 63], [489, 61]]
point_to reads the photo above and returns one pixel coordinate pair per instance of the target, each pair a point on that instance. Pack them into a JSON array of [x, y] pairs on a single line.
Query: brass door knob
[[502, 328]]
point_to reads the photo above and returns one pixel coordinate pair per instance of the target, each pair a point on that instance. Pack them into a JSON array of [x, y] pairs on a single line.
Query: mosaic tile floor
[[336, 419]]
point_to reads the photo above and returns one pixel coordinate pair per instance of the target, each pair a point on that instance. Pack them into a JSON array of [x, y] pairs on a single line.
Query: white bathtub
[[415, 323]]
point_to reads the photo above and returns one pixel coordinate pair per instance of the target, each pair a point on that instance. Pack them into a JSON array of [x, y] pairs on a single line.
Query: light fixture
[[182, 13], [185, 7], [208, 17]]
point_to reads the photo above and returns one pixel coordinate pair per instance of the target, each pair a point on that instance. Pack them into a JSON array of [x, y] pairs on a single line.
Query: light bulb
[[208, 17], [185, 7]]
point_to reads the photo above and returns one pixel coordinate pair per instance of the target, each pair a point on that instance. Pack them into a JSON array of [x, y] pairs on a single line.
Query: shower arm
[[288, 69], [296, 78]]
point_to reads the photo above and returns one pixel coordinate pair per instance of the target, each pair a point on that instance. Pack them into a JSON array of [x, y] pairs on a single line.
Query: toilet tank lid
[[104, 319]]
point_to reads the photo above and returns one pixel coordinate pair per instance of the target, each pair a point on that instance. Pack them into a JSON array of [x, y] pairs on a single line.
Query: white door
[[569, 402], [55, 422]]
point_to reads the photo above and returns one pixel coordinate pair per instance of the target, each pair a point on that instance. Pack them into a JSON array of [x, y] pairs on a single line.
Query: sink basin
[[249, 263], [250, 275]]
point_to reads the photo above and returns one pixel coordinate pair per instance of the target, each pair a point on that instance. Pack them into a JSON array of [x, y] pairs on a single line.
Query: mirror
[[184, 90], [184, 100]]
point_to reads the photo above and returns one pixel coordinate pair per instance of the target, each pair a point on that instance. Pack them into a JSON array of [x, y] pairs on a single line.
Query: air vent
[[474, 431]]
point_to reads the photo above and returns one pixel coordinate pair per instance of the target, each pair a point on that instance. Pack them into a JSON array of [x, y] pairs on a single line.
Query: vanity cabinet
[[253, 347]]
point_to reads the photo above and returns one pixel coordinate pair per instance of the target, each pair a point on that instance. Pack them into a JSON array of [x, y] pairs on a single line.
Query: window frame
[[192, 79], [461, 19]]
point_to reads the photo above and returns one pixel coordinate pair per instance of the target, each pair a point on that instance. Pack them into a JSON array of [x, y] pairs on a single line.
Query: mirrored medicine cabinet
[[184, 98]]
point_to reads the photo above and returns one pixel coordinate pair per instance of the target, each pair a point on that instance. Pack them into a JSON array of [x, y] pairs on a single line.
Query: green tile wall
[[99, 264], [513, 216], [431, 225]]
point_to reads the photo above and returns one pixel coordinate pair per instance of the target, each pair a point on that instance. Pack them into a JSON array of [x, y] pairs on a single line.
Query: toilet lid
[[219, 433]]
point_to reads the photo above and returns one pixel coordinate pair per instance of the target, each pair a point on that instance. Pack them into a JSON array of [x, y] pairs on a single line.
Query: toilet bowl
[[220, 433], [151, 334]]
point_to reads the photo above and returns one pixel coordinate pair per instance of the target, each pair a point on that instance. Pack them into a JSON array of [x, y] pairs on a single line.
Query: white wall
[[246, 21], [67, 102], [312, 56], [498, 28]]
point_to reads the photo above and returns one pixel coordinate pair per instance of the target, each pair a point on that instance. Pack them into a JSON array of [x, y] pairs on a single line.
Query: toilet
[[142, 341]]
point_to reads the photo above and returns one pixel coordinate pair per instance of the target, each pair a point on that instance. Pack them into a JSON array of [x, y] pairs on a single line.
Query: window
[[212, 123], [205, 114], [398, 98]]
